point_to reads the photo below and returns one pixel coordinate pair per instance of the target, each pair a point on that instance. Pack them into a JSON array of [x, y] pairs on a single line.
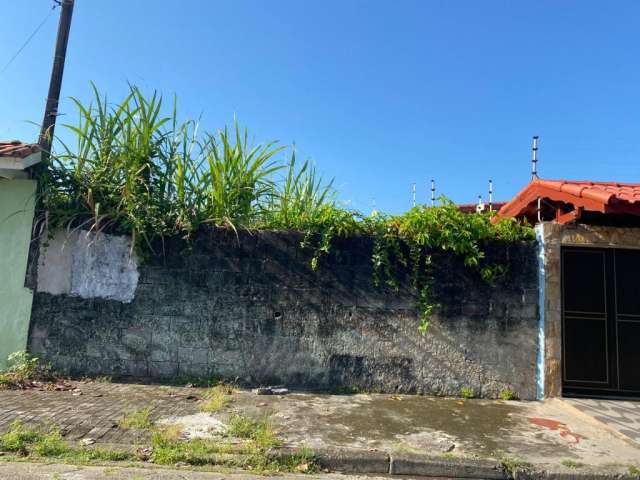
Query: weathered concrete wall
[[251, 308], [17, 199], [553, 236], [88, 266]]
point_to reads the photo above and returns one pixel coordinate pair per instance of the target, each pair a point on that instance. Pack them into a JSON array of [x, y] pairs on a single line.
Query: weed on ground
[[216, 398], [508, 395], [23, 370], [571, 464], [47, 442], [514, 465], [137, 419], [466, 392], [247, 445]]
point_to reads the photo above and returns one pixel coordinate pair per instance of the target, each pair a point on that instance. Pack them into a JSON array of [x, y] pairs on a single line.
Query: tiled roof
[[603, 197], [600, 191], [17, 149]]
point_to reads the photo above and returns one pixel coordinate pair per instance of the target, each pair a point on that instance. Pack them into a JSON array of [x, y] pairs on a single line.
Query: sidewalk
[[374, 433], [37, 471]]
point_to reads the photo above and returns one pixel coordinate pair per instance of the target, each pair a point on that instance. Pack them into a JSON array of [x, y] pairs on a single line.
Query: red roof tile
[[604, 197], [17, 149]]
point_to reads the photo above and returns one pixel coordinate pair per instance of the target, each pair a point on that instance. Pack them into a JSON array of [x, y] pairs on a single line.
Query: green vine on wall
[[407, 241]]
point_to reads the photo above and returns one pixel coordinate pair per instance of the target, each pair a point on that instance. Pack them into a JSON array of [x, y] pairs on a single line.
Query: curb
[[411, 464], [356, 461]]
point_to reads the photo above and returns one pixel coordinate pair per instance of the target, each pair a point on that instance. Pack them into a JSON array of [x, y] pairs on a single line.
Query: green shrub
[[508, 395], [466, 392], [22, 369], [18, 437]]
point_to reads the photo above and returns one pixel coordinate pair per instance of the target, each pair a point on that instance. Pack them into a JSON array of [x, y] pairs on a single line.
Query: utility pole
[[51, 109]]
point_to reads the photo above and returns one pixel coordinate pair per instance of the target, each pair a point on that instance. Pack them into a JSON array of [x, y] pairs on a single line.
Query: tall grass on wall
[[137, 170]]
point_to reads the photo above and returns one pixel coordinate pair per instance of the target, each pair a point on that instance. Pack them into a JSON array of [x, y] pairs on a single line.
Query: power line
[[29, 38]]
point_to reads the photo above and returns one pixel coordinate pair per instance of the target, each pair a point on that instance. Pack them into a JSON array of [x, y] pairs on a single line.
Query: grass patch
[[252, 452], [508, 395], [571, 464], [103, 379], [192, 381], [216, 398], [259, 431], [466, 392], [354, 390], [19, 437], [513, 465], [137, 419], [633, 470], [47, 442], [249, 449]]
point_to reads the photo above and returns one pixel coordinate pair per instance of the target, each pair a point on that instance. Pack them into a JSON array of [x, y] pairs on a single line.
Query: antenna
[[490, 195], [433, 192], [534, 158], [413, 194]]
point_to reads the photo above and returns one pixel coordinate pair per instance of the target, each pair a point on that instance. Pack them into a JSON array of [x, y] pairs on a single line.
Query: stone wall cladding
[[554, 236], [250, 308]]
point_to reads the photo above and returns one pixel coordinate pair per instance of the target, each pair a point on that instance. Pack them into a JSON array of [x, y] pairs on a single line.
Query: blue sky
[[378, 94]]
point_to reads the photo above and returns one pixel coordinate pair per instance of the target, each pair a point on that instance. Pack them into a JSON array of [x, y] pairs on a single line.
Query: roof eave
[[20, 163]]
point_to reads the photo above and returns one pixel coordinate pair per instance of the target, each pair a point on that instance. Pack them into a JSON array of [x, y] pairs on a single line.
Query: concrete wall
[[250, 308], [89, 266], [552, 236], [16, 218]]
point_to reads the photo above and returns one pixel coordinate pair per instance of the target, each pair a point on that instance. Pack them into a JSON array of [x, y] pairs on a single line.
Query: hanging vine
[[406, 243]]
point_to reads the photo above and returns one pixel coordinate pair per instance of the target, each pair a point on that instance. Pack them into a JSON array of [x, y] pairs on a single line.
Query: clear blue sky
[[378, 93]]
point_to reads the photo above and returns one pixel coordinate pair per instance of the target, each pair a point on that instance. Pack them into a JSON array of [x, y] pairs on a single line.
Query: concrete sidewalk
[[39, 471], [374, 433]]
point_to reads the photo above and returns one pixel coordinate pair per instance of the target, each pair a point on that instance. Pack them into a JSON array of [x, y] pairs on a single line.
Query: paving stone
[[94, 414]]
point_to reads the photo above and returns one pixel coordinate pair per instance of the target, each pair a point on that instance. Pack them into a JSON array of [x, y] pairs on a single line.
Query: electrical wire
[[55, 4]]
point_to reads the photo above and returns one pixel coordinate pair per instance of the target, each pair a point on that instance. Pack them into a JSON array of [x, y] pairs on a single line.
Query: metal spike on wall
[[490, 195], [433, 192], [534, 158]]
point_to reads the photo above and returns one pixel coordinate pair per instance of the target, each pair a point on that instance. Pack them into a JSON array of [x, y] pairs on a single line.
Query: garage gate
[[601, 321]]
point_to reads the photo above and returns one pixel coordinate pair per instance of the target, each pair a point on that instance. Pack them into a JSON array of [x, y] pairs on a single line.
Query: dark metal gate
[[601, 321]]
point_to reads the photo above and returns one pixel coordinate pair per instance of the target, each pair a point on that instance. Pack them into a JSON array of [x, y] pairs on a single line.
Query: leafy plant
[[466, 392], [409, 240], [23, 368], [513, 465], [508, 395]]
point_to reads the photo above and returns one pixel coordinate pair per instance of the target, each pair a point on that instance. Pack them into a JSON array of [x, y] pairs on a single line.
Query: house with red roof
[[589, 293]]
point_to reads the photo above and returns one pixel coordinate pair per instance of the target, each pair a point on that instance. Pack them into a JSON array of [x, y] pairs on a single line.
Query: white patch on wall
[[88, 265]]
